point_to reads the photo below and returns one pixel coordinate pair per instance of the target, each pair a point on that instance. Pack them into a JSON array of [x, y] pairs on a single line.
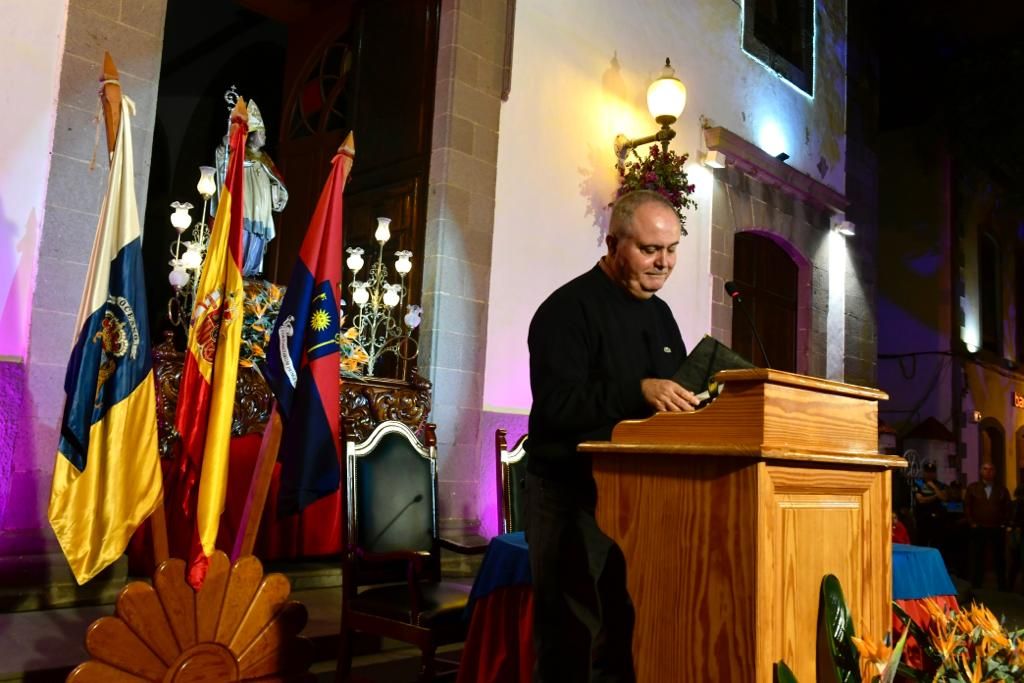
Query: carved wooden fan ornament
[[239, 627]]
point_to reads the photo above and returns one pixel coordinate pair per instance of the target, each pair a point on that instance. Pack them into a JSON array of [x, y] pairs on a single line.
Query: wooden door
[[767, 278], [367, 67]]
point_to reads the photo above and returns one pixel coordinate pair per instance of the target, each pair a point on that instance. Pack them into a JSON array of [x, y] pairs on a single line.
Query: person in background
[[988, 508], [899, 532], [929, 511], [955, 537]]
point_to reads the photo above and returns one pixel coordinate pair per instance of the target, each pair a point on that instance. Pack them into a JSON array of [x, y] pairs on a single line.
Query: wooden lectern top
[[767, 414]]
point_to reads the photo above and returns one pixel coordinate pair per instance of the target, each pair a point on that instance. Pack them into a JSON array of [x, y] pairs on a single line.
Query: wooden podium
[[729, 517]]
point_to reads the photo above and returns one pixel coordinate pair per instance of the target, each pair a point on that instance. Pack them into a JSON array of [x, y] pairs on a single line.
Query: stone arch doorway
[[992, 448]]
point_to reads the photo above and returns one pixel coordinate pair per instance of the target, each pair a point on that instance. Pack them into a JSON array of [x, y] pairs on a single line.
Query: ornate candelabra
[[186, 266], [380, 327]]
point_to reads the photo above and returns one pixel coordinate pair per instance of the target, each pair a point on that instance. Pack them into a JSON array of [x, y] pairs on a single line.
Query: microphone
[[733, 291]]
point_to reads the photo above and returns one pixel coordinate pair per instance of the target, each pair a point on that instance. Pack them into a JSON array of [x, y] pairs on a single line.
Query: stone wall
[[741, 203], [460, 226], [132, 31]]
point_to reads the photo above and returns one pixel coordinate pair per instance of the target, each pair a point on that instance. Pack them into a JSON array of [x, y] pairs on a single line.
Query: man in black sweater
[[602, 348]]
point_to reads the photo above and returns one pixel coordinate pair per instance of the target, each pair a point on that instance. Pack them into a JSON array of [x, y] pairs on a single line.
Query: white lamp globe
[[193, 257], [178, 276], [361, 294], [403, 264], [666, 96], [383, 232], [355, 259], [391, 297], [206, 185], [181, 218]]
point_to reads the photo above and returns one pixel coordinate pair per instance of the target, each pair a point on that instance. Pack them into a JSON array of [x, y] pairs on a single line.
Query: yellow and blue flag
[[107, 479]]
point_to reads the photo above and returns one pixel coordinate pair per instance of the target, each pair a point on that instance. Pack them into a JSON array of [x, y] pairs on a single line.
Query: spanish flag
[[303, 359], [207, 392], [106, 479]]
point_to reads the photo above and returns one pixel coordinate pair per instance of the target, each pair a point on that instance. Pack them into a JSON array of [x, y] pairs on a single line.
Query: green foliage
[[661, 172]]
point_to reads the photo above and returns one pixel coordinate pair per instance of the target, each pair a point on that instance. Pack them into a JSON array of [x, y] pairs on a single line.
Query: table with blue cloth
[[919, 574], [499, 645]]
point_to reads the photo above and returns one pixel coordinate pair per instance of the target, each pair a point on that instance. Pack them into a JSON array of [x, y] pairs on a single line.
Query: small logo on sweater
[[668, 350]]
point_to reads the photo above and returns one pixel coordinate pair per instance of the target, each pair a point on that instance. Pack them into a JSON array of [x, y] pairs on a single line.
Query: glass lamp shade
[[355, 259], [391, 295], [403, 264], [178, 276], [193, 257], [206, 185], [413, 316], [383, 232], [181, 218], [361, 294], [666, 96]]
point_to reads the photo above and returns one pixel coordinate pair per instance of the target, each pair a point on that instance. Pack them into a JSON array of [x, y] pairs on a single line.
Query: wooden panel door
[[686, 526], [816, 521], [370, 68]]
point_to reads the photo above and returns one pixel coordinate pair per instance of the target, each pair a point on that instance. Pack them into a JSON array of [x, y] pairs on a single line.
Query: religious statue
[[264, 192]]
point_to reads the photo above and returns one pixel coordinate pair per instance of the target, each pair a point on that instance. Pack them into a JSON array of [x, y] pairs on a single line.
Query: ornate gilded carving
[[365, 402]]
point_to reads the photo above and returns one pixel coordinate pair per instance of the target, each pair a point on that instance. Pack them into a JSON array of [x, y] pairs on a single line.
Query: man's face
[[257, 139], [642, 260], [988, 472], [929, 474]]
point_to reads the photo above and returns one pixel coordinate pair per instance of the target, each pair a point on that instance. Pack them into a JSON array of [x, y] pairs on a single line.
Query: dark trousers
[[983, 538], [582, 614]]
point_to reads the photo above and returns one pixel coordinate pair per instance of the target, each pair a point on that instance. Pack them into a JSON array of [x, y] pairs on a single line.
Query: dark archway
[[992, 448], [768, 277]]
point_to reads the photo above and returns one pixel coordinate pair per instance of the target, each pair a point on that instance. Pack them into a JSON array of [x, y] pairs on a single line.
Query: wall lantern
[[666, 99]]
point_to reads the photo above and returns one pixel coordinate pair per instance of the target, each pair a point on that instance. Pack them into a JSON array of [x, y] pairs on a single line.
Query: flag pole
[[259, 486], [110, 95]]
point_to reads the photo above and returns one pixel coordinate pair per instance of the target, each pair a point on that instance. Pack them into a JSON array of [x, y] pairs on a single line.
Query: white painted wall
[[33, 41], [580, 72]]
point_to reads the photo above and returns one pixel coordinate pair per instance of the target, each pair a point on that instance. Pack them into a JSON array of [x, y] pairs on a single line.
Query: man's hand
[[664, 394]]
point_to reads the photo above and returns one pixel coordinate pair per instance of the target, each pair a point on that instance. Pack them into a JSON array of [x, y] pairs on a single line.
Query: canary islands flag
[[106, 479], [206, 398], [303, 359]]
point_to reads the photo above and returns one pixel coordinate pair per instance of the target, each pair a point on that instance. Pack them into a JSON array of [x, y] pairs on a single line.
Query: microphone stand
[[731, 290], [753, 328]]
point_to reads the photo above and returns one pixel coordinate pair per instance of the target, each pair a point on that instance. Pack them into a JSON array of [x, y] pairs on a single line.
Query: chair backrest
[[391, 481], [511, 474]]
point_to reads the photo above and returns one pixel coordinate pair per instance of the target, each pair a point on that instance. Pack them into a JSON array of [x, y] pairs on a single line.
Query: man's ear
[[612, 243]]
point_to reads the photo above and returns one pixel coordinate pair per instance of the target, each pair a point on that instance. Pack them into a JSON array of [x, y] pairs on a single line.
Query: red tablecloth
[[916, 610], [499, 645], [315, 532]]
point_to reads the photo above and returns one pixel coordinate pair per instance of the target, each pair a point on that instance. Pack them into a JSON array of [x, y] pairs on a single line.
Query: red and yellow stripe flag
[[207, 392]]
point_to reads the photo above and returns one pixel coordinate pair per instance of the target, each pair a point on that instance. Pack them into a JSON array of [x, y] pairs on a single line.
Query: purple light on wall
[[12, 389], [487, 495]]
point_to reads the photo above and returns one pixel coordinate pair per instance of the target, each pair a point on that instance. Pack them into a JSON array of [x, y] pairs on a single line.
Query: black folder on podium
[[700, 365]]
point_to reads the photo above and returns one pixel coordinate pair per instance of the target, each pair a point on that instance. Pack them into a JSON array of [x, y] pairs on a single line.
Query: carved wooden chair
[[511, 473], [391, 503], [240, 626]]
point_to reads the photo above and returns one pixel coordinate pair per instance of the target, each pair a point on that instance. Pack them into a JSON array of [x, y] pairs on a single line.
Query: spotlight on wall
[[782, 156], [666, 99], [844, 227], [714, 159]]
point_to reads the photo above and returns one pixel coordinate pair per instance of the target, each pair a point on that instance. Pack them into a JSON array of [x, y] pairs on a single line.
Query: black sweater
[[591, 344]]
